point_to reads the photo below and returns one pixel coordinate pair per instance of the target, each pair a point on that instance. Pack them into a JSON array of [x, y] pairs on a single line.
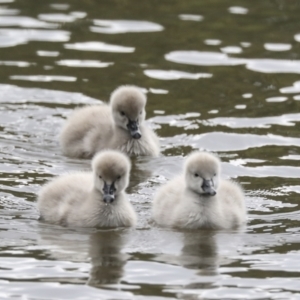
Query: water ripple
[[58, 291], [218, 59], [276, 99], [274, 65], [238, 10], [100, 47], [277, 47], [43, 78], [124, 26], [17, 95], [47, 53], [222, 141], [212, 42], [61, 18], [26, 22], [174, 75], [291, 89], [7, 11], [14, 37], [264, 122], [232, 49], [60, 6], [21, 64], [189, 17], [83, 63], [203, 58]]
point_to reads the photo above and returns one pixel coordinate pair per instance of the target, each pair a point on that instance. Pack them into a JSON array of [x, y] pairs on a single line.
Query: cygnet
[[119, 125], [199, 198], [90, 199]]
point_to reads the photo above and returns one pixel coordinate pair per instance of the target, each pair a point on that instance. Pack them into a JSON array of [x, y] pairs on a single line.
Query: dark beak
[[108, 193], [134, 130], [208, 188]]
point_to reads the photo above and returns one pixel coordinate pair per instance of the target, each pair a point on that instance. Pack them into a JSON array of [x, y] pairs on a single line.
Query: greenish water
[[219, 75]]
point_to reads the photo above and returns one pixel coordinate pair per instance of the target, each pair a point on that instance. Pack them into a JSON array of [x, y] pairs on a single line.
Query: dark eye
[[215, 174], [119, 177], [100, 176], [196, 175], [122, 113], [140, 112]]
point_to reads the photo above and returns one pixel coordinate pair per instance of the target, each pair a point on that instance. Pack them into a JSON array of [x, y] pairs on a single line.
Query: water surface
[[220, 76]]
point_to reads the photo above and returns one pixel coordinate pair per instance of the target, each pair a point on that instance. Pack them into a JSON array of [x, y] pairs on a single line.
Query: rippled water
[[219, 75]]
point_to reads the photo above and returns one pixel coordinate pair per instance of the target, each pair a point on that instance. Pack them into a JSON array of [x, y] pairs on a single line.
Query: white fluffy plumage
[[119, 125], [90, 199], [199, 198]]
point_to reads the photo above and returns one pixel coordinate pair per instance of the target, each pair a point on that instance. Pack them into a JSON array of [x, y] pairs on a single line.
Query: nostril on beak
[[136, 135], [206, 184], [208, 188], [108, 198], [133, 128]]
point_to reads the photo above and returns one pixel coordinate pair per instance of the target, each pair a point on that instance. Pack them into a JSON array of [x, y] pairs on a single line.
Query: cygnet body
[[199, 198], [90, 199], [119, 125]]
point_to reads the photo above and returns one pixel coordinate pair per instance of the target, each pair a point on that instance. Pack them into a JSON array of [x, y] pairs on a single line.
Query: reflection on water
[[220, 76], [107, 261], [97, 254], [199, 252]]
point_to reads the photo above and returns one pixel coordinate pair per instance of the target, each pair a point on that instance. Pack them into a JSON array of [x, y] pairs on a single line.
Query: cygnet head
[[202, 171], [111, 173], [128, 109]]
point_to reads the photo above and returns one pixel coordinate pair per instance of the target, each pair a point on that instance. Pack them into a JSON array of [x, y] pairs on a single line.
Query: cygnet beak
[[208, 188], [134, 129], [108, 193]]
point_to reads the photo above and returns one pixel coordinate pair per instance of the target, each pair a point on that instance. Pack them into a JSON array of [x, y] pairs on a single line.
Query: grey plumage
[[199, 198], [119, 125], [78, 199]]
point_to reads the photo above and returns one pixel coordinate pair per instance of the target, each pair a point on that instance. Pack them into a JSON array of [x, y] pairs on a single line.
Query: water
[[219, 75]]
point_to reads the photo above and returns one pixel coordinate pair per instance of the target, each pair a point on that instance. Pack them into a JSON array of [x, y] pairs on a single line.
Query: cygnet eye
[[119, 177], [196, 175], [100, 176], [140, 112], [122, 113], [215, 174]]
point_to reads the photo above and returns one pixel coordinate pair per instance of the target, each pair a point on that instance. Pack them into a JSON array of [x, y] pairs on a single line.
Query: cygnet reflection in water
[[101, 249], [198, 251], [204, 252], [106, 257]]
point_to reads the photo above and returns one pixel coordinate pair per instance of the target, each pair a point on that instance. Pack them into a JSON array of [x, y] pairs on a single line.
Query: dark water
[[219, 75]]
